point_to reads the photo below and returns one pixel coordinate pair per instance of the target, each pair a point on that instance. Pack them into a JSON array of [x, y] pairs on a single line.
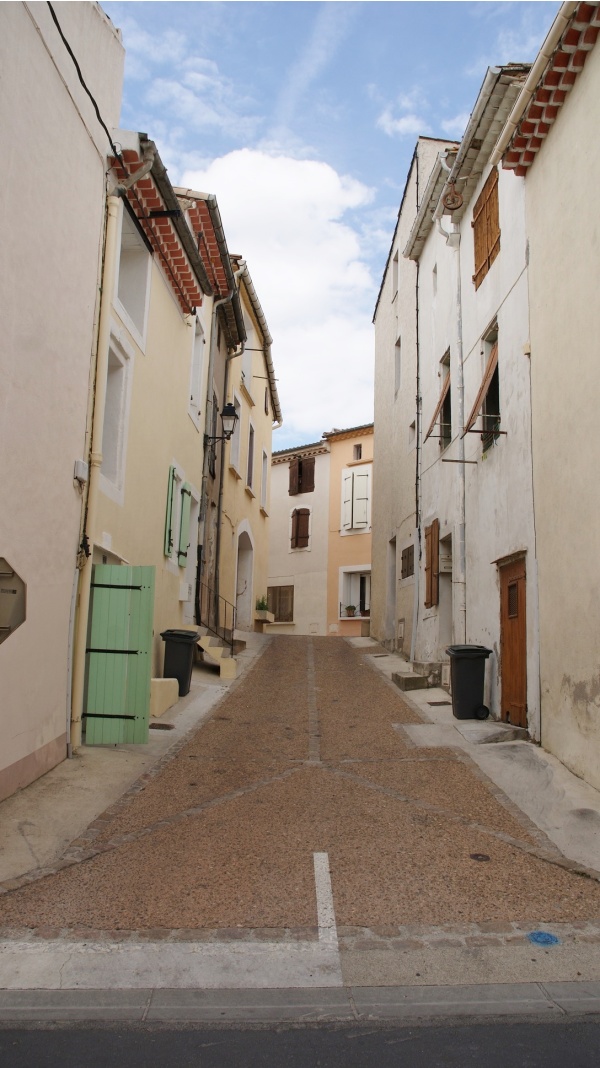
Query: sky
[[302, 118]]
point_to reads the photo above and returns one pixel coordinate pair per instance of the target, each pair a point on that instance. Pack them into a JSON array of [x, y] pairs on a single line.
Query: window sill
[[250, 491], [246, 393], [234, 471], [281, 623], [263, 511]]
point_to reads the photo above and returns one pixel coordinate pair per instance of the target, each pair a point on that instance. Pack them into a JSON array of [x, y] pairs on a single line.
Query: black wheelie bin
[[180, 646], [467, 674]]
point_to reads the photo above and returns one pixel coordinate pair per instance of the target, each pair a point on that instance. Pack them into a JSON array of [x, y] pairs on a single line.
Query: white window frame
[[349, 586], [139, 335], [122, 351], [264, 481], [251, 459], [196, 369]]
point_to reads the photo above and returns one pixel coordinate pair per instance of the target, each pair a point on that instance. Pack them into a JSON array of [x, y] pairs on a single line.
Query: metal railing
[[216, 614]]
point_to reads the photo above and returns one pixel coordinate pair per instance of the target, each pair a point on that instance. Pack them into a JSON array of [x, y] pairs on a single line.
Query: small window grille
[[513, 600]]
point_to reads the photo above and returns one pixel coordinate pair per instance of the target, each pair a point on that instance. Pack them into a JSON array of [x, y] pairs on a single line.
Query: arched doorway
[[243, 586]]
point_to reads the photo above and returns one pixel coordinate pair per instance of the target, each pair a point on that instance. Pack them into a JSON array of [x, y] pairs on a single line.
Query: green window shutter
[[169, 514], [184, 526]]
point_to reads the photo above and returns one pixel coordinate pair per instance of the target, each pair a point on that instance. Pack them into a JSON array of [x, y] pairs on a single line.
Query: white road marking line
[[325, 911]]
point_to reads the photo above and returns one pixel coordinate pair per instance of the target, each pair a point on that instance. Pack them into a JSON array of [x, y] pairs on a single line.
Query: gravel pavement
[[307, 756]]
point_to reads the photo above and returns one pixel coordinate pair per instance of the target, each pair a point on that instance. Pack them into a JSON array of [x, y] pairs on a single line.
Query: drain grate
[[375, 655], [438, 703], [161, 726]]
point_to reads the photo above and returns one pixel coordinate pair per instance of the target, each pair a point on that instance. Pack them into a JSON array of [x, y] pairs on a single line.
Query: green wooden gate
[[118, 656]]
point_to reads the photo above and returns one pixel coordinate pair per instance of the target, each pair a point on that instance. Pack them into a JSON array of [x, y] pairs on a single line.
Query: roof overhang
[[561, 59], [500, 89]]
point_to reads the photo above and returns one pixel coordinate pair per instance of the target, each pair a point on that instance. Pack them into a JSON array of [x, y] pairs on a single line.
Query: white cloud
[[519, 44], [289, 219], [457, 125], [404, 117]]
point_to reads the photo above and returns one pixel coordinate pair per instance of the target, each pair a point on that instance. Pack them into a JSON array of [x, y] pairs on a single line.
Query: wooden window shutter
[[439, 406], [307, 475], [435, 562], [294, 476], [184, 526], [485, 385], [360, 500], [168, 546], [432, 564], [303, 515], [347, 501], [486, 226], [428, 569]]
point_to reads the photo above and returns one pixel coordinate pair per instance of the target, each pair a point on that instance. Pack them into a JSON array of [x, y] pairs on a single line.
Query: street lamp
[[229, 418]]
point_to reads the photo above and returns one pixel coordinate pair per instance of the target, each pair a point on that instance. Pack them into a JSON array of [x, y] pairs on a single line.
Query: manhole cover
[[479, 856]]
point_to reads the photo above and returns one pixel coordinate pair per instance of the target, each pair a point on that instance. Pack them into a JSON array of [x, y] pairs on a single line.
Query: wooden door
[[117, 694], [513, 643]]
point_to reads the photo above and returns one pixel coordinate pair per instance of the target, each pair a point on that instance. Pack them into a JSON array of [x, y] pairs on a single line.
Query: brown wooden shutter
[[439, 406], [435, 562], [307, 475], [294, 476], [486, 225], [432, 564], [303, 518], [294, 541], [485, 385]]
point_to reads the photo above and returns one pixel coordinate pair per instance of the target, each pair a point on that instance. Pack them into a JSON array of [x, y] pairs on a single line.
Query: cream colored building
[[244, 509], [551, 143], [50, 254], [320, 547]]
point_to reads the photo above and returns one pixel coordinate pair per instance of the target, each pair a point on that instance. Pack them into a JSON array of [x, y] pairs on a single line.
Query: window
[[236, 438], [196, 374], [355, 592], [250, 470], [300, 535], [487, 402], [432, 564], [266, 400], [302, 475], [263, 482], [134, 273], [357, 452], [412, 434], [395, 277], [397, 365], [408, 562], [280, 601], [443, 408], [178, 517], [114, 429], [355, 500], [486, 226]]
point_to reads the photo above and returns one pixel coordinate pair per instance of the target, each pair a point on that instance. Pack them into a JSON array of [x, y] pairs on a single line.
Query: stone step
[[409, 681]]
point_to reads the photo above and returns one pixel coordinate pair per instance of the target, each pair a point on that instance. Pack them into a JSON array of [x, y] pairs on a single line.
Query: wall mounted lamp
[[229, 418]]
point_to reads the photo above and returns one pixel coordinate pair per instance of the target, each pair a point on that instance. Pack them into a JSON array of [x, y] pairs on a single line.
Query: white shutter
[[360, 505], [347, 501]]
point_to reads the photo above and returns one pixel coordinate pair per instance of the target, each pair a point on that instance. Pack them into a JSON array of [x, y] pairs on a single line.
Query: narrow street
[[301, 817]]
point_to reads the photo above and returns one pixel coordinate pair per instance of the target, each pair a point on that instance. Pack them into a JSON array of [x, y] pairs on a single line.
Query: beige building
[[243, 511], [320, 546], [551, 143], [50, 257]]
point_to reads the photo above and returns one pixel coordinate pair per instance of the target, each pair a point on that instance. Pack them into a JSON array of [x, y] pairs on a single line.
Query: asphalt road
[[495, 1045]]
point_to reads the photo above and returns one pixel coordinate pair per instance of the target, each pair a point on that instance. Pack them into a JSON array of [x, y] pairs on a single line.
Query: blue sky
[[302, 118]]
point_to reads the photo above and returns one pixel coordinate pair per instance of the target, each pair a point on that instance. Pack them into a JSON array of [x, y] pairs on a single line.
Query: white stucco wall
[[498, 483], [304, 569], [53, 210], [393, 510], [564, 233]]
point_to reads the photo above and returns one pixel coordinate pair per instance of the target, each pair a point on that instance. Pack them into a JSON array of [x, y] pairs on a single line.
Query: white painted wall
[[53, 209], [305, 569], [498, 484], [564, 232]]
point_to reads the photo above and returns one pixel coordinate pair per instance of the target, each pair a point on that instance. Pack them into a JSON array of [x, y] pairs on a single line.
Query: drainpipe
[[95, 464], [207, 428], [230, 356]]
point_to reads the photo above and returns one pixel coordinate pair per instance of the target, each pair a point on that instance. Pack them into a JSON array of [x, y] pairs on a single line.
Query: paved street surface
[[518, 1045], [301, 839]]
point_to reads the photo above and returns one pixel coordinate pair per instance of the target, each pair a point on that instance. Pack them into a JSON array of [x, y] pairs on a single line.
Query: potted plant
[[350, 609], [262, 614]]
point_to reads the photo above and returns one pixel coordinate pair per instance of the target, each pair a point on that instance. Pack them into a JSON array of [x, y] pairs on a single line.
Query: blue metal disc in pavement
[[543, 938]]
